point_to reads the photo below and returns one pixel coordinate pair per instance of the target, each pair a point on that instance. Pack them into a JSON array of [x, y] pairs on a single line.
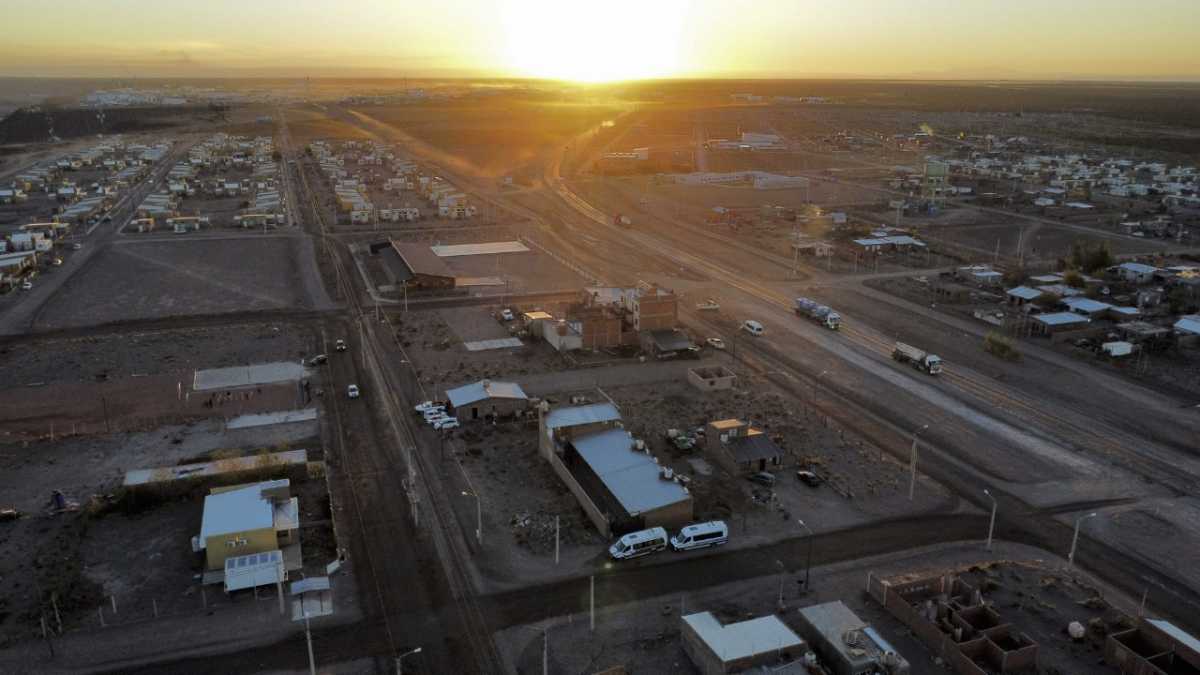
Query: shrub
[[1001, 347]]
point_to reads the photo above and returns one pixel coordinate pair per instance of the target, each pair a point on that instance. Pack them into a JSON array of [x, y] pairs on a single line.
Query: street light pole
[[912, 465], [1075, 539], [478, 516], [992, 522], [400, 660], [808, 562]]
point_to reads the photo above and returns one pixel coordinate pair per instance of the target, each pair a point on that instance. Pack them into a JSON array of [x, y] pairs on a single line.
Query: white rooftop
[[1024, 292], [255, 569], [248, 376], [489, 248], [238, 510], [743, 639], [632, 477]]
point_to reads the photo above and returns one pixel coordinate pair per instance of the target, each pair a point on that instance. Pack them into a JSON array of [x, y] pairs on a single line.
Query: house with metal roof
[[1022, 294], [846, 644], [1058, 321], [1137, 273], [763, 642], [487, 398], [243, 520], [740, 448], [618, 483], [1087, 307]]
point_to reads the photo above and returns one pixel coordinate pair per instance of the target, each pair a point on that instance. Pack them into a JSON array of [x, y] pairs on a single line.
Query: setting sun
[[623, 40]]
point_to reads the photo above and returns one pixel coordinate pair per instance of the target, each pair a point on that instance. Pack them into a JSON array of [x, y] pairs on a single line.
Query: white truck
[[919, 358], [819, 313]]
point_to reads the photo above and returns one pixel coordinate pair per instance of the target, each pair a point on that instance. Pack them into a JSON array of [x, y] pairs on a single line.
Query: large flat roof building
[[737, 647]]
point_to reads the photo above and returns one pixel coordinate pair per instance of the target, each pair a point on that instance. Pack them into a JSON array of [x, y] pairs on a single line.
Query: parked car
[[763, 478], [27, 285], [507, 314], [446, 423], [700, 535], [76, 246], [715, 343], [435, 411], [433, 418], [429, 405], [339, 345], [640, 543], [809, 478], [352, 391], [318, 360], [57, 262]]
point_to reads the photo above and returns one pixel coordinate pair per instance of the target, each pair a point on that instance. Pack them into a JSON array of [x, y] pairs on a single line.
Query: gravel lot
[[142, 280]]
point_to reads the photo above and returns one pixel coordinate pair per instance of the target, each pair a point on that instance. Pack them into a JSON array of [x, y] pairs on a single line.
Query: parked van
[[712, 533], [640, 543], [752, 327]]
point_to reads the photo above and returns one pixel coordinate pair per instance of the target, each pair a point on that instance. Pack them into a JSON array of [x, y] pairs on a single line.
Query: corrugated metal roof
[[1060, 318], [483, 390], [754, 447], [1024, 292], [735, 641], [1138, 268], [584, 414], [1086, 305], [1176, 633], [238, 510], [489, 248], [632, 477], [1188, 324], [420, 259]]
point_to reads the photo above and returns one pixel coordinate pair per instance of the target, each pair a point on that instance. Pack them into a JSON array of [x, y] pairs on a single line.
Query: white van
[[699, 535], [752, 327], [640, 543]]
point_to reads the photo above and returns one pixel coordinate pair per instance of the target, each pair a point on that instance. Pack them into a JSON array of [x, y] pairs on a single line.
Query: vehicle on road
[[762, 478], [636, 544], [352, 391], [507, 315], [429, 405], [57, 262], [318, 360], [622, 221], [701, 535], [715, 343], [811, 309], [919, 358], [709, 305], [76, 246], [752, 327], [27, 285], [339, 345], [809, 478], [446, 423]]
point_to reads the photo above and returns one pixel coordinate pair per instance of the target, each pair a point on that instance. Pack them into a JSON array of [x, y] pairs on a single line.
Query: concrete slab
[[501, 343], [248, 376], [486, 248], [265, 419]]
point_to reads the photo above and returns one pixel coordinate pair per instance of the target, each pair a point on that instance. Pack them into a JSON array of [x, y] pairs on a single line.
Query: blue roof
[[482, 391], [1060, 318], [632, 477], [584, 414], [1139, 268], [1086, 304], [1024, 292]]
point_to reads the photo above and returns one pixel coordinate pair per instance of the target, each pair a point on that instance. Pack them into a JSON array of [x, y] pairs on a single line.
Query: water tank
[[639, 444], [667, 473]]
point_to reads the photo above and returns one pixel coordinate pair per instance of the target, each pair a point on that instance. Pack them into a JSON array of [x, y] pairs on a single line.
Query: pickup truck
[[709, 305]]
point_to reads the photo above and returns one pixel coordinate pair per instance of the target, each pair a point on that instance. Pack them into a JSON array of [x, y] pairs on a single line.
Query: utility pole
[[912, 470], [992, 522], [1075, 539]]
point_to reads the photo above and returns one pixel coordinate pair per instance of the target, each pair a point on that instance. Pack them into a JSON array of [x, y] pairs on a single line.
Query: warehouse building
[[619, 484], [420, 267]]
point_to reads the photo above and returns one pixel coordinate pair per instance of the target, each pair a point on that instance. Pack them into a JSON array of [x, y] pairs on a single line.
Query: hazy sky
[[604, 39]]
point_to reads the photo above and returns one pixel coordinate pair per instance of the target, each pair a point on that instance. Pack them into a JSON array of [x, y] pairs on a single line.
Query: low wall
[[589, 507]]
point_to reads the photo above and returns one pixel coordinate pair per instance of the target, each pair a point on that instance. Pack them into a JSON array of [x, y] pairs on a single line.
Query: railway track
[[451, 550]]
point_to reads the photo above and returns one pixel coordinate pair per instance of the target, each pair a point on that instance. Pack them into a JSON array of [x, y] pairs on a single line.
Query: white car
[[446, 423], [715, 343], [76, 246], [340, 345], [428, 405], [352, 391], [434, 413], [507, 315], [27, 285]]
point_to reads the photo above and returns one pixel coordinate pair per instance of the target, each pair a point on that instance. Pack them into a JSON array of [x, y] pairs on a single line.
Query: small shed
[[1059, 322], [737, 647]]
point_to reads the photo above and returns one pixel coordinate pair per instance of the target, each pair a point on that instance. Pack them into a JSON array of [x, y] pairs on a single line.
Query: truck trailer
[[819, 313], [920, 359]]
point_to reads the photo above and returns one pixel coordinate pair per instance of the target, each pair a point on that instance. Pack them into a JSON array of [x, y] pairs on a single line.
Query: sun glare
[[594, 42]]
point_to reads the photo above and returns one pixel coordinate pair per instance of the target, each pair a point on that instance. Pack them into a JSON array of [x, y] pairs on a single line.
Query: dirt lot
[[642, 634], [73, 385], [83, 556], [139, 280], [861, 484], [496, 134]]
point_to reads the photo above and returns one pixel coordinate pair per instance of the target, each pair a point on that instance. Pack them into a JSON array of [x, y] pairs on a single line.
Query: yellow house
[[241, 520]]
